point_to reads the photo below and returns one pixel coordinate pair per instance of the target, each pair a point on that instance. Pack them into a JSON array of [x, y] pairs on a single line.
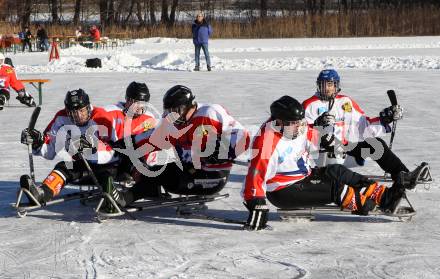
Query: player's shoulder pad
[[309, 101], [113, 107]]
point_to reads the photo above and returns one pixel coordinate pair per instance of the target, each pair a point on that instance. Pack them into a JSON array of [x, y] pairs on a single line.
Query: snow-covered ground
[[64, 242]]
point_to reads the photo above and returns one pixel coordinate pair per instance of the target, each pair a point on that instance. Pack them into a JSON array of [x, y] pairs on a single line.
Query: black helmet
[[76, 99], [178, 96], [137, 91], [286, 108]]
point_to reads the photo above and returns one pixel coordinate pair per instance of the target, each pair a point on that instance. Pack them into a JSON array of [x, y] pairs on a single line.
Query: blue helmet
[[325, 76]]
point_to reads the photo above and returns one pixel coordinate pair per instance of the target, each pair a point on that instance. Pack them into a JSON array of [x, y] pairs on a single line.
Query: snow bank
[[172, 54], [171, 61], [122, 62]]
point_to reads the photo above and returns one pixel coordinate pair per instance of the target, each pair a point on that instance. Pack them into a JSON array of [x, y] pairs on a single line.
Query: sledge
[[187, 207], [181, 203], [401, 212], [96, 191], [424, 177], [24, 207]]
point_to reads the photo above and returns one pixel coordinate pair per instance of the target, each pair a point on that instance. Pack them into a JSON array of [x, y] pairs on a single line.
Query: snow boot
[[209, 68], [391, 198], [420, 174], [37, 192], [196, 68]]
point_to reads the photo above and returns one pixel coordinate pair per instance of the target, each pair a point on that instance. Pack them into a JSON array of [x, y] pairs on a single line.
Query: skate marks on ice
[[41, 251], [408, 265], [181, 253]]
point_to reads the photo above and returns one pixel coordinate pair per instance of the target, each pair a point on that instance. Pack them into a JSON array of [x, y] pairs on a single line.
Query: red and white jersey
[[8, 78], [211, 127], [276, 161], [61, 131], [137, 125], [352, 125]]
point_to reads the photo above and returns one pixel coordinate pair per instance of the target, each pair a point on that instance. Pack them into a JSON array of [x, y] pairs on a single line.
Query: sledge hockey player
[[78, 125], [8, 79], [280, 170], [341, 124], [206, 140], [134, 111], [136, 118]]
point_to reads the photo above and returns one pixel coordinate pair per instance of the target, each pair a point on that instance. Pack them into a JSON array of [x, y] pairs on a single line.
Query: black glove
[[258, 214], [32, 137], [325, 120], [391, 114], [328, 142]]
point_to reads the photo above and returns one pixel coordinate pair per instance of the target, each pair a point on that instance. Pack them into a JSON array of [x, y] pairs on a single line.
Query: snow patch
[[169, 61]]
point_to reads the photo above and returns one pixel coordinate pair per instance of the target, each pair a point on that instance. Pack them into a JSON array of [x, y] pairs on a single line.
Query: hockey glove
[[25, 98], [32, 137], [328, 142], [391, 114], [325, 120], [258, 214]]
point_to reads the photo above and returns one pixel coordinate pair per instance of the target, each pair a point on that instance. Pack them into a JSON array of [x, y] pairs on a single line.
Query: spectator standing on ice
[[26, 41], [201, 30], [43, 39]]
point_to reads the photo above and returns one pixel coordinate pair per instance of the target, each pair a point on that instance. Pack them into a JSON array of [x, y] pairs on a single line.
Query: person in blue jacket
[[201, 30]]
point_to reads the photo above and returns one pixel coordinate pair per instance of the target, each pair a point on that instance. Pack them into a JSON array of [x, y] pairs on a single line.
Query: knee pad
[[373, 192], [54, 182], [363, 200]]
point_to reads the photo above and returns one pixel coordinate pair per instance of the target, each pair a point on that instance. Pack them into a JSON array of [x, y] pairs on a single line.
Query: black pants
[[389, 162], [79, 173], [177, 181], [76, 172], [320, 188], [27, 43]]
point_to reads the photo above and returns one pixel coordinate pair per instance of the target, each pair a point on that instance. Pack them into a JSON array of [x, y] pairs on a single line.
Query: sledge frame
[[402, 213]]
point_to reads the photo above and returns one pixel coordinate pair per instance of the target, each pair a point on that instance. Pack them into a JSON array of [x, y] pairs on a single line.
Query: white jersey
[[276, 162], [351, 126], [61, 131]]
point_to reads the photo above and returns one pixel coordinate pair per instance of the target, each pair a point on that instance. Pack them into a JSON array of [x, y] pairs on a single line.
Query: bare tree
[[26, 12], [263, 8], [164, 18], [152, 11], [77, 12], [54, 10], [173, 11], [139, 13]]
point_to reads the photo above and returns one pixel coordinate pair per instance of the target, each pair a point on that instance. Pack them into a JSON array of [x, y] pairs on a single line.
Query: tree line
[[168, 13]]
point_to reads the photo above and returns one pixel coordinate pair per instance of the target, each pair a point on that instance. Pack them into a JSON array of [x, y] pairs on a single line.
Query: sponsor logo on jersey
[[282, 156], [347, 107], [147, 126]]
